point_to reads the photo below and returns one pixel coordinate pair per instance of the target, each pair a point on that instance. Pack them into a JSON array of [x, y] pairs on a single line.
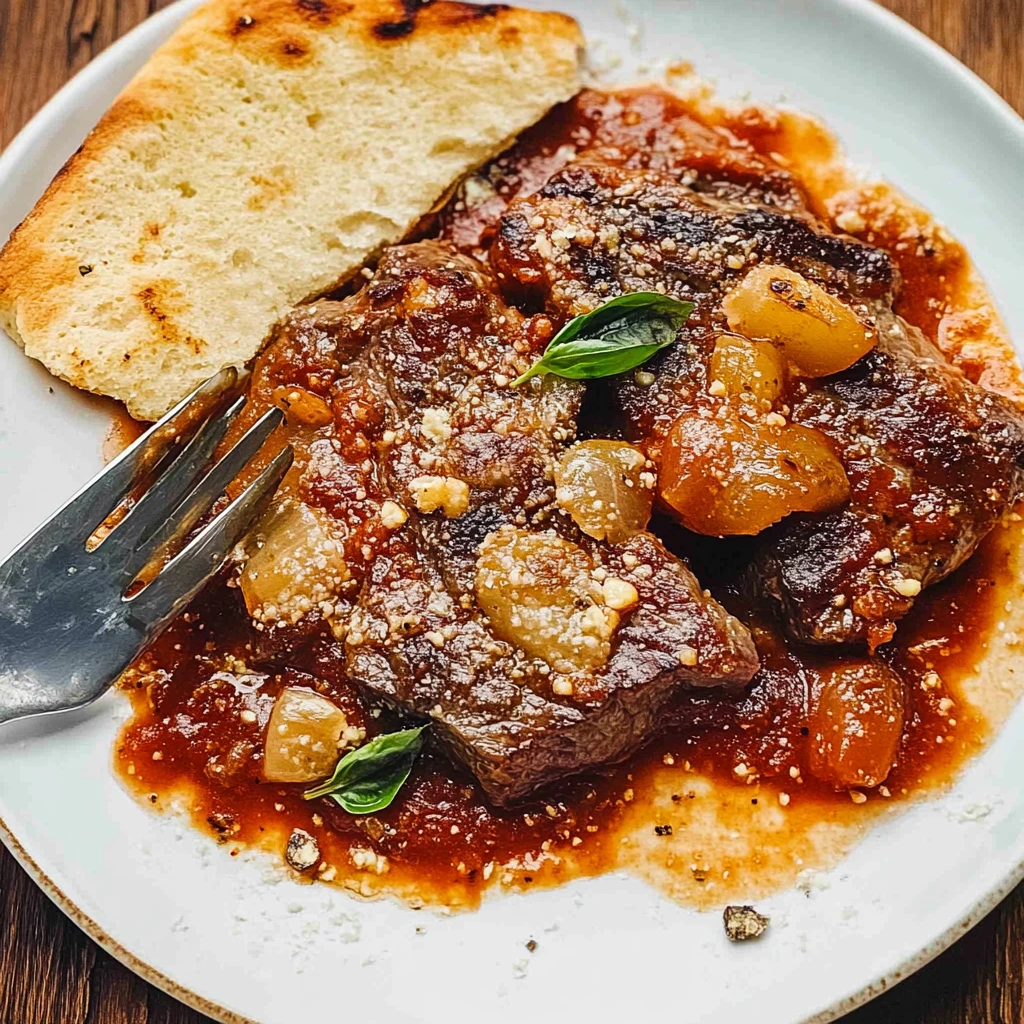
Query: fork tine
[[100, 496], [73, 523], [202, 497], [182, 577], [167, 493]]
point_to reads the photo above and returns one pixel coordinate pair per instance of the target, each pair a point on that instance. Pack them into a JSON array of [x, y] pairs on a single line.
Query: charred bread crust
[[262, 154]]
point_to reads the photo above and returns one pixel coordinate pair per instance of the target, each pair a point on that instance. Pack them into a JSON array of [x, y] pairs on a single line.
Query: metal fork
[[69, 625]]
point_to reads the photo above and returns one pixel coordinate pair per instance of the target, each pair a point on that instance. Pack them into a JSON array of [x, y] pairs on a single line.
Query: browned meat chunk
[[932, 460], [562, 676], [640, 130], [515, 722], [596, 231], [537, 651]]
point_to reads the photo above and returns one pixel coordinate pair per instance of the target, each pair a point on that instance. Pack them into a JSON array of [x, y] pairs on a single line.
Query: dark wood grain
[[50, 973]]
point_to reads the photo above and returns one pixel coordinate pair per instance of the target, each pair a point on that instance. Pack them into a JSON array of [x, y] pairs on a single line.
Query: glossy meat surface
[[813, 718], [933, 460], [425, 397], [595, 231]]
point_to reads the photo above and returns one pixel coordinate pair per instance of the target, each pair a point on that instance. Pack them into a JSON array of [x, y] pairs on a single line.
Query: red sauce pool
[[195, 737]]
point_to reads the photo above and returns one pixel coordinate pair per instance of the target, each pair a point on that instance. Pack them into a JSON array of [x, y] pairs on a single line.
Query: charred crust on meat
[[468, 532], [904, 411]]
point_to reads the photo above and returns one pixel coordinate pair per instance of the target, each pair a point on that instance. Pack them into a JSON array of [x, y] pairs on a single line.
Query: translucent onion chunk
[[294, 564], [538, 592], [725, 476], [302, 406], [751, 371], [303, 736], [819, 334], [856, 724], [602, 485]]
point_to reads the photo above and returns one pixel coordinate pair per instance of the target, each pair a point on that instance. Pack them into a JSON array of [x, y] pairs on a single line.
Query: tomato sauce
[[201, 700]]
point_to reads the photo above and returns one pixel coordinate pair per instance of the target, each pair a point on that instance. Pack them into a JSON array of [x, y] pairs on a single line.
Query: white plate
[[215, 932]]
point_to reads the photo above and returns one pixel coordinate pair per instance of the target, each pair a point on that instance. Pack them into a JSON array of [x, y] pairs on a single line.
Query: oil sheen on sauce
[[721, 808]]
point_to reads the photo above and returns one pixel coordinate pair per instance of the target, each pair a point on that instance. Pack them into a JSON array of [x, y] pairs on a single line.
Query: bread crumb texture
[[262, 155]]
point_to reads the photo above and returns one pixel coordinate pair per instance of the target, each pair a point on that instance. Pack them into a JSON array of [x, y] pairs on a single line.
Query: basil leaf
[[368, 779], [618, 336]]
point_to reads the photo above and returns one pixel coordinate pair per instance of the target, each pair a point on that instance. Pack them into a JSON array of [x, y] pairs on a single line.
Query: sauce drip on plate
[[723, 805]]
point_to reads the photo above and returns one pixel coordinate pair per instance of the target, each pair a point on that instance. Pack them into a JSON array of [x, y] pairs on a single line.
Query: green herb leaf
[[618, 336], [368, 779]]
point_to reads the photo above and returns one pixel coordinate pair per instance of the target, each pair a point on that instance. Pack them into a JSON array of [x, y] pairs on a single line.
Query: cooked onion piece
[[295, 565], [539, 594], [751, 371], [303, 736], [819, 334], [603, 486], [856, 725], [725, 476], [302, 406]]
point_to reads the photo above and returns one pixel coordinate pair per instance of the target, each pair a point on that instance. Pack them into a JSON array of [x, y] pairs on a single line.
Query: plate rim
[[96, 70]]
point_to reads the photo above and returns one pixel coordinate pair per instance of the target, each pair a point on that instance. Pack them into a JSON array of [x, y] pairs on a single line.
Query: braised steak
[[431, 441], [932, 460], [934, 463]]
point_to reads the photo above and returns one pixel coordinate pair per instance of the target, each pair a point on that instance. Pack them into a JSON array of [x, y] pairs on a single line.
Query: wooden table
[[50, 973]]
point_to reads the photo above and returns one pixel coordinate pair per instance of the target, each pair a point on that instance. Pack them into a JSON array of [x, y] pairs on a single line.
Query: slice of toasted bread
[[260, 157]]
